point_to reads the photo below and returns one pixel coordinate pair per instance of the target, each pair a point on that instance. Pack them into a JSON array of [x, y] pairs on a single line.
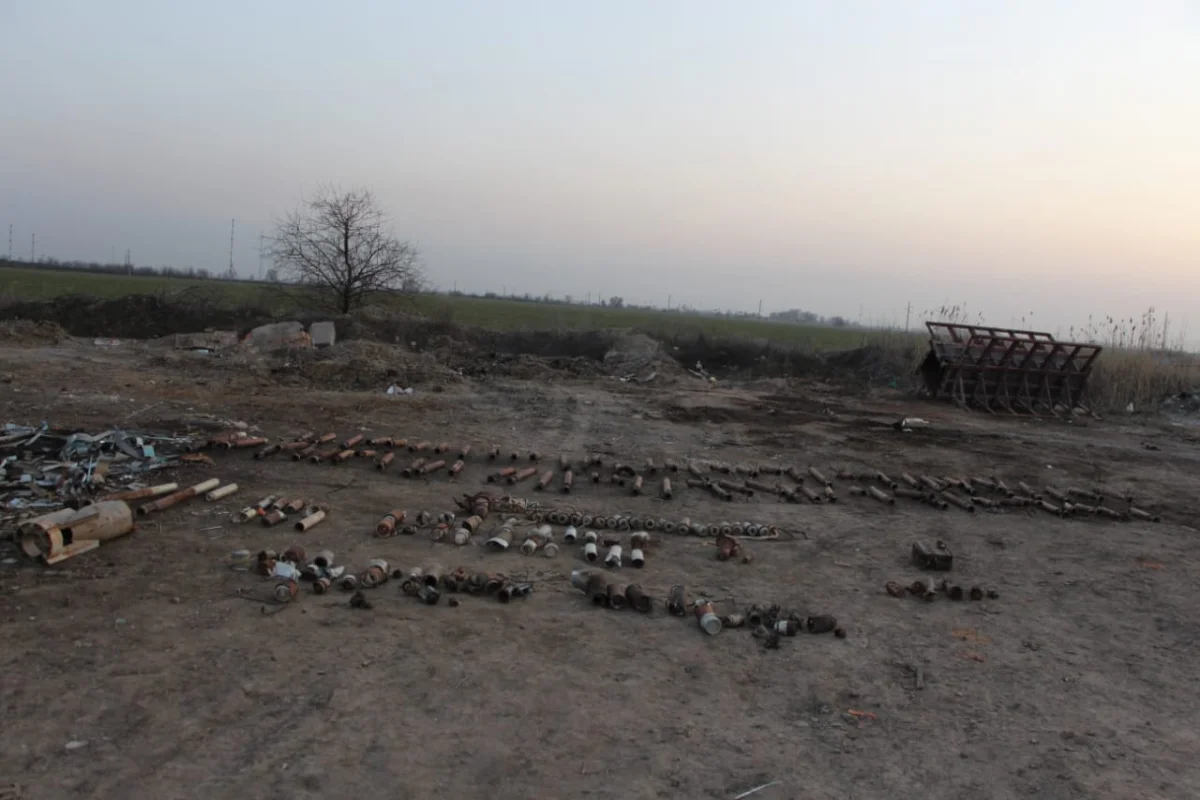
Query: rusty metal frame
[[1014, 370]]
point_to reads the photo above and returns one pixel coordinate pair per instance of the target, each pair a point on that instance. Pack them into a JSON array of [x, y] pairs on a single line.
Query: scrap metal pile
[[1013, 370], [47, 468]]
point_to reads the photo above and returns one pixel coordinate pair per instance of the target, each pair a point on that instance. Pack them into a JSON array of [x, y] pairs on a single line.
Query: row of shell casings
[[639, 544], [427, 582], [539, 538], [627, 523], [603, 590]]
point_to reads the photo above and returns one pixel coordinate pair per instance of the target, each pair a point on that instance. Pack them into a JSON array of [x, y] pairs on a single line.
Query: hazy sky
[[1022, 157]]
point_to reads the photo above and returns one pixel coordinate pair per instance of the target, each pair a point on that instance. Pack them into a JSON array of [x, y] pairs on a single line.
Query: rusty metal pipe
[[178, 497], [309, 521], [220, 492]]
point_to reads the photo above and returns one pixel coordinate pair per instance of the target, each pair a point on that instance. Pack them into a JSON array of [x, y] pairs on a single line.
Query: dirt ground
[[1073, 683]]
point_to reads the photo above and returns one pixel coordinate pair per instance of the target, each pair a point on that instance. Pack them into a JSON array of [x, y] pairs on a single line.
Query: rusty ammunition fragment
[[665, 489], [457, 467], [818, 477], [309, 521], [677, 601], [985, 502], [694, 468], [501, 474], [323, 455], [352, 441], [376, 573], [1000, 486], [399, 443], [494, 452], [568, 480], [544, 480], [812, 496], [637, 599], [651, 467], [856, 491], [341, 456], [442, 447], [432, 466], [951, 590], [760, 487], [616, 595], [294, 555], [1027, 491], [821, 623], [1138, 513], [284, 592], [273, 518], [382, 441], [885, 480], [385, 461], [911, 494], [534, 456], [1056, 494], [910, 480], [670, 465], [387, 525], [727, 547], [364, 453], [829, 495], [637, 485]]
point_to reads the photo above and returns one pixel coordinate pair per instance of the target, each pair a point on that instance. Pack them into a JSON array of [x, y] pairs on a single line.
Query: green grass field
[[18, 283]]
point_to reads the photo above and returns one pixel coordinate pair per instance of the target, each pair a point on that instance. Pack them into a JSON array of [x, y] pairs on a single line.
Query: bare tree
[[340, 243]]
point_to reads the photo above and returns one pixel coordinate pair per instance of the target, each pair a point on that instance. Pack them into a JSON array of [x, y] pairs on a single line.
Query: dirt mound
[[26, 331], [366, 365], [139, 316]]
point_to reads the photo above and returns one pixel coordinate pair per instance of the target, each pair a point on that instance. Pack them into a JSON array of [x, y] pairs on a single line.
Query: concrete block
[[323, 334]]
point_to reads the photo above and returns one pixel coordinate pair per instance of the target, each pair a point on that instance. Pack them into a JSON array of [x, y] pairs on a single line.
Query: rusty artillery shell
[[818, 477], [418, 447], [326, 438], [432, 466], [544, 480], [442, 447], [727, 547], [794, 474], [986, 502], [670, 465], [471, 523], [352, 441], [341, 456], [695, 469], [664, 490], [677, 601], [597, 588], [267, 451], [709, 622], [885, 480], [309, 521], [1056, 494], [399, 443], [1049, 507], [651, 467], [364, 453], [881, 496], [729, 486], [457, 467], [986, 483], [829, 495], [1138, 513], [1001, 487], [961, 502], [387, 525], [637, 599], [952, 590], [924, 588], [381, 441], [285, 591], [501, 475], [931, 483], [856, 491], [637, 485], [521, 475], [1027, 491], [294, 555], [616, 596], [272, 518], [385, 461], [812, 496], [912, 494], [324, 455]]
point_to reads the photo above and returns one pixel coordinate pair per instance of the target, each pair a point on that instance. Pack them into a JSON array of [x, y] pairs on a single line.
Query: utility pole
[[760, 307], [128, 262], [907, 316], [668, 302], [232, 227], [260, 256], [10, 242], [33, 248]]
